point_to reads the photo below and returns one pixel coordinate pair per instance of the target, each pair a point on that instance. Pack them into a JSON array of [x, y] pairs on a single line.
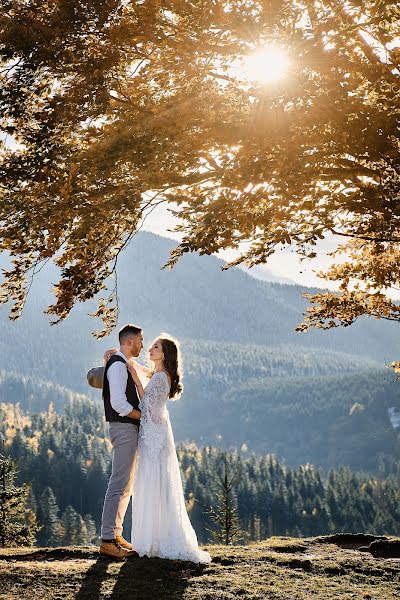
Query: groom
[[121, 403]]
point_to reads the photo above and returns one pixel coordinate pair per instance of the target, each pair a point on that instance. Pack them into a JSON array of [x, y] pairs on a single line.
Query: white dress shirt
[[117, 376]]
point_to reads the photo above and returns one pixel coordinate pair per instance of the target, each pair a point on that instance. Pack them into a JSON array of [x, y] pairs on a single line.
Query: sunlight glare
[[266, 65]]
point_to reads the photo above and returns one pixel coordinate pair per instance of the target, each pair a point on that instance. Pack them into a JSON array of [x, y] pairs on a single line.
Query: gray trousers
[[124, 440]]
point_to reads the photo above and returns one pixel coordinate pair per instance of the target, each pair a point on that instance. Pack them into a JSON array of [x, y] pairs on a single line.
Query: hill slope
[[325, 410]]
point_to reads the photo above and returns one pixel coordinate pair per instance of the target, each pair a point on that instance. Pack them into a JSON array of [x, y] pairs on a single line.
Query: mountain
[[242, 358], [199, 301], [196, 300], [265, 274]]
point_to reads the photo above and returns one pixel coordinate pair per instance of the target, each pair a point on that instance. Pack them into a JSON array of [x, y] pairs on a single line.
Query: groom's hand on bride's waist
[[135, 414]]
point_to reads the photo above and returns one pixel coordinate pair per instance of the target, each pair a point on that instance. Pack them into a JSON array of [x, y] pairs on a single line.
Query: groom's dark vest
[[131, 395]]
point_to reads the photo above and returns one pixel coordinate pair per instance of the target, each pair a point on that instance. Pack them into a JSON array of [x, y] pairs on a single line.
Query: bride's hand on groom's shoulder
[[132, 371], [108, 354]]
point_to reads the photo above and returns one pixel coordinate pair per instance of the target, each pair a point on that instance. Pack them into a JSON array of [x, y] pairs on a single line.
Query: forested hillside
[[309, 407], [66, 457], [32, 393], [326, 420]]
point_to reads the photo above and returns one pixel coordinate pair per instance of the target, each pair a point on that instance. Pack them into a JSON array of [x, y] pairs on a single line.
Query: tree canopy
[[108, 108]]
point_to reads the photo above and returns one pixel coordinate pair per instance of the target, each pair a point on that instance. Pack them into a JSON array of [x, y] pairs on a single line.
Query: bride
[[160, 523]]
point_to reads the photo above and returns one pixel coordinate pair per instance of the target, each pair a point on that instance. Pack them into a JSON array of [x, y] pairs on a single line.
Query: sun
[[266, 65]]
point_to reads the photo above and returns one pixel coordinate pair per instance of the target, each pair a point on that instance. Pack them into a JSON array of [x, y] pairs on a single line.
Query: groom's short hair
[[127, 331]]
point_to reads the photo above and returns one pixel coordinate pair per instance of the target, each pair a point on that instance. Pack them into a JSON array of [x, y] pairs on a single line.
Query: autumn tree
[[108, 108]]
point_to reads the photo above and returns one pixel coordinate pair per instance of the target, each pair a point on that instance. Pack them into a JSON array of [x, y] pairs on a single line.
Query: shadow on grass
[[138, 579], [94, 577]]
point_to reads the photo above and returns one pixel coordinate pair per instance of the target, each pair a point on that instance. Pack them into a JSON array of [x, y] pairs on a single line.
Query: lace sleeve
[[154, 416]]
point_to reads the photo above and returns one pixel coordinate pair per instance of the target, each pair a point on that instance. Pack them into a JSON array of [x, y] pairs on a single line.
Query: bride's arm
[[136, 379]]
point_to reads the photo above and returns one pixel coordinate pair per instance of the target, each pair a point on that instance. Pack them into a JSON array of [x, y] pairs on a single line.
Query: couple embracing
[[144, 461]]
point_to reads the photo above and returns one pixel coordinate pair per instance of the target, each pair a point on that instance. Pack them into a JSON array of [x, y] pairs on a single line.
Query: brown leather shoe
[[114, 550], [120, 540]]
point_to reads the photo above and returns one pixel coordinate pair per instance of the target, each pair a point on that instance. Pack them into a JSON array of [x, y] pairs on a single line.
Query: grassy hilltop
[[324, 568]]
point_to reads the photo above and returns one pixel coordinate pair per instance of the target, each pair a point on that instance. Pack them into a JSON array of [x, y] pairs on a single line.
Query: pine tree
[[224, 517], [17, 521], [71, 522], [52, 532], [78, 531], [91, 533]]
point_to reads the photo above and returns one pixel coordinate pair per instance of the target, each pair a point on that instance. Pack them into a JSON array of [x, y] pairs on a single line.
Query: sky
[[284, 267]]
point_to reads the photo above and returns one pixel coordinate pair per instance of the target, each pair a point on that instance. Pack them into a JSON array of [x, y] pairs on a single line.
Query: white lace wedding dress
[[160, 523]]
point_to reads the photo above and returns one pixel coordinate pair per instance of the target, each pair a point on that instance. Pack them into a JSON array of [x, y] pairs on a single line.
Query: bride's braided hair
[[172, 363]]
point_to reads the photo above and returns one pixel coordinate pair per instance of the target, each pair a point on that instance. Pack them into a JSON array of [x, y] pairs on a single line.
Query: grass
[[278, 568]]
